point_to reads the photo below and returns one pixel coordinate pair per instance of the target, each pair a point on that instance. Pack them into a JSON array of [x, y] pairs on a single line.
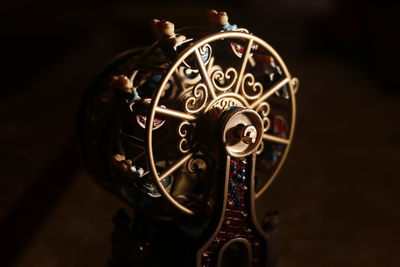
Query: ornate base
[[144, 241]]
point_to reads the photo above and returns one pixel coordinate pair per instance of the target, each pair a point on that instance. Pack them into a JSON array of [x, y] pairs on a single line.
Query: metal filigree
[[250, 88], [263, 109], [197, 164], [225, 103], [184, 130], [260, 148], [198, 100], [223, 81]]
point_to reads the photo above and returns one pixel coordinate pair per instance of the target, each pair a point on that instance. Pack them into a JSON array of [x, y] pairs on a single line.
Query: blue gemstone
[[232, 186]]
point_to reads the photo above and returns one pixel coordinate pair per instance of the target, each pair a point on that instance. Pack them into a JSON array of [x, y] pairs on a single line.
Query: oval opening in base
[[235, 253]]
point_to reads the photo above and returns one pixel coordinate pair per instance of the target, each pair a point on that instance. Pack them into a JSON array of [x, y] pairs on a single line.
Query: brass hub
[[242, 132]]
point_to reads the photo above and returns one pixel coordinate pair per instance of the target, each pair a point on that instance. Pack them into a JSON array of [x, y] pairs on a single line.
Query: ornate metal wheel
[[191, 131], [149, 122], [217, 72]]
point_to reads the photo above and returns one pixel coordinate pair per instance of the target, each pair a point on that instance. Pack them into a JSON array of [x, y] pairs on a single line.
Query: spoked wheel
[[216, 73]]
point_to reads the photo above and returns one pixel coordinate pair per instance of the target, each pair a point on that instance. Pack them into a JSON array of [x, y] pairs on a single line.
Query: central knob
[[241, 131]]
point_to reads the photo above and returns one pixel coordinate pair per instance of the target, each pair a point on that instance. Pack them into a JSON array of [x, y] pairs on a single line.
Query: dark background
[[338, 191]]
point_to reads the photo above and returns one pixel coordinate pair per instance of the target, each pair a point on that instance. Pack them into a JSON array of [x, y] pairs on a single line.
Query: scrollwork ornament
[[263, 109], [266, 124], [260, 148], [224, 81], [249, 84], [183, 132], [183, 146], [197, 164], [224, 104], [198, 100]]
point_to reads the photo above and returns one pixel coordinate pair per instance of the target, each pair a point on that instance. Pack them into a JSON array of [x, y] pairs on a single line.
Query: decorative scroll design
[[260, 148], [224, 81], [250, 88], [184, 130], [198, 100], [225, 103], [197, 164], [263, 109]]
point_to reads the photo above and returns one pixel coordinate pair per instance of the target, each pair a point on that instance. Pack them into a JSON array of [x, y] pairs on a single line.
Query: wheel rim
[[207, 90]]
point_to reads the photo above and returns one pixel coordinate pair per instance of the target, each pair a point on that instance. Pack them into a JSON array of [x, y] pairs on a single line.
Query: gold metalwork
[[260, 148], [224, 81], [276, 139], [242, 126], [216, 86], [183, 132], [263, 109], [244, 62], [198, 100], [270, 92], [197, 163], [175, 166], [175, 113], [184, 113], [133, 140], [203, 73], [226, 101]]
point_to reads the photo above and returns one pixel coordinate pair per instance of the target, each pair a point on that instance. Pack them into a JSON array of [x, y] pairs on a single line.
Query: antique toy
[[178, 131]]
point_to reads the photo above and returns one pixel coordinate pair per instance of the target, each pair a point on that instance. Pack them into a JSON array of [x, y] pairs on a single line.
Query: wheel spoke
[[203, 73], [275, 139], [178, 81], [138, 156], [152, 68], [175, 166], [133, 140], [270, 92], [244, 64], [175, 113], [210, 64]]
